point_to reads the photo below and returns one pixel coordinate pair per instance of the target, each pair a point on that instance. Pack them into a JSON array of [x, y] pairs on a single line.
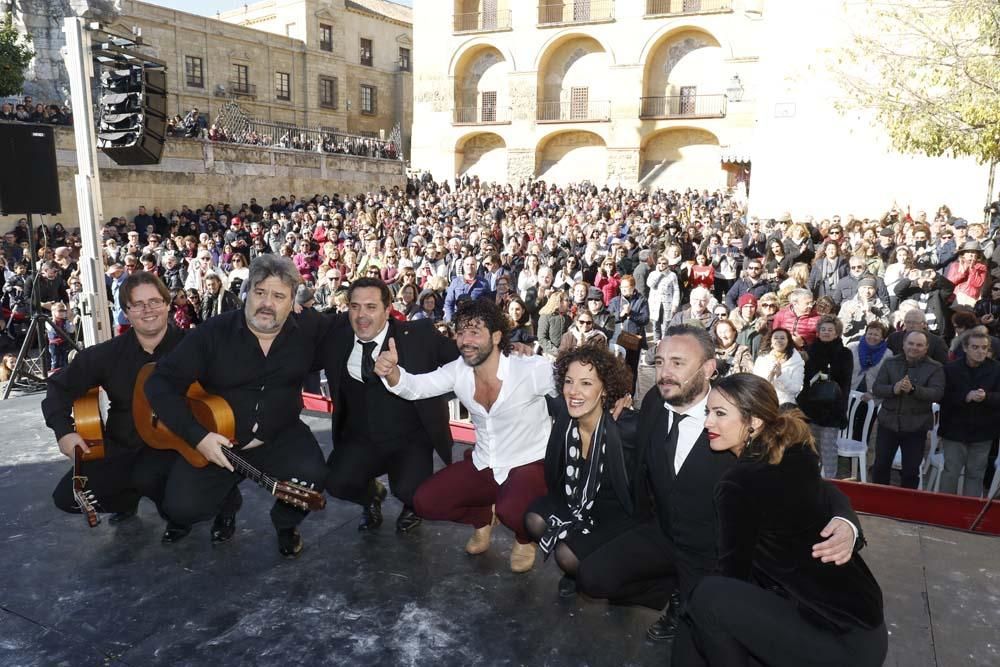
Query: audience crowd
[[29, 111], [902, 307]]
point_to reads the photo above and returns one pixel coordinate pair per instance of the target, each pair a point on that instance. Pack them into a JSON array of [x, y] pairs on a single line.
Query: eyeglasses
[[770, 306], [835, 232], [152, 304], [857, 267]]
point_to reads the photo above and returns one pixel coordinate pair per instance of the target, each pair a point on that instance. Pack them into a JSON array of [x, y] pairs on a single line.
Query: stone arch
[[474, 44], [679, 158], [574, 70], [481, 84], [482, 154], [685, 57], [572, 156], [568, 34]]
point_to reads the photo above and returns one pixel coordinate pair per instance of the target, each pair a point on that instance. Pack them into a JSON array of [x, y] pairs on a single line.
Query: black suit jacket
[[769, 518], [619, 452], [421, 349], [685, 504]]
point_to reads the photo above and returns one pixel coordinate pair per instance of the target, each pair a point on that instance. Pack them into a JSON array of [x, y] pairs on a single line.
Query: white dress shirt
[[515, 430], [354, 361], [688, 431]]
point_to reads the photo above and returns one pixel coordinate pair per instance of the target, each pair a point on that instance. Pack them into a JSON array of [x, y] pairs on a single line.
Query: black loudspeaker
[[29, 181], [133, 119]]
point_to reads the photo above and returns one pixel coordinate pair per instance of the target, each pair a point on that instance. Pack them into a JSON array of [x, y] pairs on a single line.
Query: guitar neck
[[241, 466]]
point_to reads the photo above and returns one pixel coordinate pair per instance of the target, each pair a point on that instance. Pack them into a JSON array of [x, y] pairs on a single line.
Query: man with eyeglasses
[[848, 285], [130, 469], [751, 282]]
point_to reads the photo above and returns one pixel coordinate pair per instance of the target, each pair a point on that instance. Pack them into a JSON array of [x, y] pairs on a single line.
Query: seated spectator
[[987, 309], [215, 300], [915, 320], [698, 311], [521, 330], [799, 318], [182, 312], [553, 322], [864, 308], [730, 356]]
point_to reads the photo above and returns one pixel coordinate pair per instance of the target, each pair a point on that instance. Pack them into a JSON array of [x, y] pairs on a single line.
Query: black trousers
[[738, 624], [118, 481], [638, 566], [198, 494], [354, 463]]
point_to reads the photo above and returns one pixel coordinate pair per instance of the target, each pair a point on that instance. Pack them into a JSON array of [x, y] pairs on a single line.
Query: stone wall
[[199, 172]]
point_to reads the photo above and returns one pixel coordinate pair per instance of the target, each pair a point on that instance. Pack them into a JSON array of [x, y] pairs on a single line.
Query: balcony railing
[[683, 106], [568, 112], [242, 88], [481, 115], [483, 21], [667, 7], [551, 12]]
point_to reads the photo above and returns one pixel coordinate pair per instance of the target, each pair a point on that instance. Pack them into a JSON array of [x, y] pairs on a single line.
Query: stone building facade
[[666, 93], [297, 62]]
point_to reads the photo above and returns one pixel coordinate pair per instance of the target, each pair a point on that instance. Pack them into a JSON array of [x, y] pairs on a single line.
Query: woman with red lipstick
[[775, 600], [588, 462]]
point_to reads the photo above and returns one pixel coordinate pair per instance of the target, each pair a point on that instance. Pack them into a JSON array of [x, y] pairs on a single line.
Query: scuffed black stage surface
[[70, 595]]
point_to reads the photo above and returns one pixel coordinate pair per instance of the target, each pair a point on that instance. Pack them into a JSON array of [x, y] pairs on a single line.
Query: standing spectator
[[608, 280], [468, 285], [216, 300], [698, 311], [862, 309], [631, 312], [869, 352], [664, 297], [827, 272], [730, 356], [908, 385], [915, 320], [969, 409], [987, 309], [553, 322], [799, 318], [643, 270], [59, 347], [826, 388], [780, 364], [582, 332], [604, 321], [182, 313], [752, 282], [932, 292]]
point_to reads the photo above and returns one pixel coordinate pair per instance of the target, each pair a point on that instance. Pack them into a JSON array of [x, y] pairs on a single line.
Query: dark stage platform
[[70, 595]]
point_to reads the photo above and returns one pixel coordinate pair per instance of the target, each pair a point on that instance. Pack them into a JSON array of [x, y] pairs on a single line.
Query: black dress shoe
[[118, 517], [371, 514], [665, 628], [567, 586], [223, 528], [174, 532], [289, 542], [407, 520]]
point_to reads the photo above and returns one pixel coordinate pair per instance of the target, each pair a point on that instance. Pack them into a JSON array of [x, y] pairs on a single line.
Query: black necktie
[[367, 362], [672, 441]]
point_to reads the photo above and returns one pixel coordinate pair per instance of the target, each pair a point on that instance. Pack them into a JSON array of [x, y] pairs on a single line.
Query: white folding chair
[[996, 479], [854, 445], [932, 466]]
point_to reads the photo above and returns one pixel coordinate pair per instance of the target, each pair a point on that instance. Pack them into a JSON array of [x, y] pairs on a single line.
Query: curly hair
[[612, 371], [471, 311]]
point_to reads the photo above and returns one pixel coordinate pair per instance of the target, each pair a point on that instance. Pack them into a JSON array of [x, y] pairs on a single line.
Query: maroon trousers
[[462, 494]]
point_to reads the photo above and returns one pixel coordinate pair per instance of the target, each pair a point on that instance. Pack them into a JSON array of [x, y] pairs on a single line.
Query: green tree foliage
[[15, 55], [931, 70]]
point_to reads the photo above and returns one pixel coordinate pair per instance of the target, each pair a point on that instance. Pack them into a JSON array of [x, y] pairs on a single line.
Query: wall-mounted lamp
[[734, 93]]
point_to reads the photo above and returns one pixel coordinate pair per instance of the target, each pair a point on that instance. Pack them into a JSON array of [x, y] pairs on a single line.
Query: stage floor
[[70, 595]]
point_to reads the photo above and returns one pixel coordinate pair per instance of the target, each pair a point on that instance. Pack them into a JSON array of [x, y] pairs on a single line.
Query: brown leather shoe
[[480, 541], [522, 557]]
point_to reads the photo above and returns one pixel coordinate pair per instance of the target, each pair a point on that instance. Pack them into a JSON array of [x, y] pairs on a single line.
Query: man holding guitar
[[255, 359], [130, 469]]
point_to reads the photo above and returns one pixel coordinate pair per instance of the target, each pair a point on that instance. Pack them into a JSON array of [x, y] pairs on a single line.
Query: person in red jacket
[[800, 317], [607, 279], [968, 273]]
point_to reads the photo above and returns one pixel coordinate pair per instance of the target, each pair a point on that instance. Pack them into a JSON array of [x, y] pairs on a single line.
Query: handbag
[[630, 341], [821, 393]]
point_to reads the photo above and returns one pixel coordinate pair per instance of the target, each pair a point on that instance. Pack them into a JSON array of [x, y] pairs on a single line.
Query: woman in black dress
[[588, 462], [775, 604]]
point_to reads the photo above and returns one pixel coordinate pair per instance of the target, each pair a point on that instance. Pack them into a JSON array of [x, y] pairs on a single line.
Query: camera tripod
[[27, 368]]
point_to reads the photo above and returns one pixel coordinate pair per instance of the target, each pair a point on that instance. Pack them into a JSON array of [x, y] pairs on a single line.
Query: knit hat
[[745, 299], [867, 282], [594, 294]]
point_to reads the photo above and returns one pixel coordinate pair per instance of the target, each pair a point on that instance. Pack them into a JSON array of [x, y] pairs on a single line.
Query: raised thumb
[[392, 346]]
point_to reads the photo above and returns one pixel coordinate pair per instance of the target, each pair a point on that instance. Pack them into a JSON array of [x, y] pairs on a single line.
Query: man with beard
[[374, 431], [504, 473], [256, 359], [664, 558]]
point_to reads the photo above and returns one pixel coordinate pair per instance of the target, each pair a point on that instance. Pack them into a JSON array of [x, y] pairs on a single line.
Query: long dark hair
[[754, 396]]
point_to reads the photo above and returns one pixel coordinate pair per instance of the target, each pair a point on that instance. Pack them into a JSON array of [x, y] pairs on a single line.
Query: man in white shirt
[[505, 397]]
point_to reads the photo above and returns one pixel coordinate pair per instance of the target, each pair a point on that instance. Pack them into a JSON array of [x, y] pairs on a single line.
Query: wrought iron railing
[[683, 106], [483, 21], [481, 115], [569, 111], [234, 126], [667, 7], [553, 12], [242, 88]]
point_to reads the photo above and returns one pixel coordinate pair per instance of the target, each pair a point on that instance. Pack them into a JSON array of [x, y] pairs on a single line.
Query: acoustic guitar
[[216, 415], [87, 418]]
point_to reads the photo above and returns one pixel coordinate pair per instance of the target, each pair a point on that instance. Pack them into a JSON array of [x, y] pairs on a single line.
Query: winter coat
[[909, 412]]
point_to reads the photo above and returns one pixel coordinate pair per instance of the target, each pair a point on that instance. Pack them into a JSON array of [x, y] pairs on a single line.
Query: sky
[[210, 7]]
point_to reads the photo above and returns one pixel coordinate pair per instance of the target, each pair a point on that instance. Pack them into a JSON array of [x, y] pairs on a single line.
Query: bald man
[[915, 320]]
